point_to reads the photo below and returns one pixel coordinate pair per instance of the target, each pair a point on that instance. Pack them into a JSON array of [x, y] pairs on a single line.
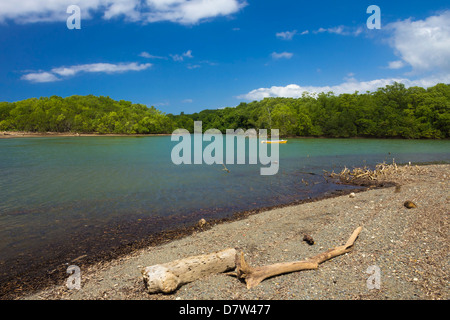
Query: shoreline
[[30, 283], [326, 220], [25, 134]]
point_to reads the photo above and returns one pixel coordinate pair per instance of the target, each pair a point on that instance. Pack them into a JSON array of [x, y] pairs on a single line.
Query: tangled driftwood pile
[[381, 172]]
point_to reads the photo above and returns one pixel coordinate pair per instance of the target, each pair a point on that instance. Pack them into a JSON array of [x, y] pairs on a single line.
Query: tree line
[[82, 114], [393, 111]]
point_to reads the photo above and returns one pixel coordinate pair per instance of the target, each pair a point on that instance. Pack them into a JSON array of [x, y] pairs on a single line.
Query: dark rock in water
[[410, 204]]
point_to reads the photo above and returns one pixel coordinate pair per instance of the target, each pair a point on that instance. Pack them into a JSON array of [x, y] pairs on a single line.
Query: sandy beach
[[409, 246]]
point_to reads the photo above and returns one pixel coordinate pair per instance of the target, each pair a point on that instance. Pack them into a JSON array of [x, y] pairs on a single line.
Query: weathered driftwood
[[169, 276], [254, 275]]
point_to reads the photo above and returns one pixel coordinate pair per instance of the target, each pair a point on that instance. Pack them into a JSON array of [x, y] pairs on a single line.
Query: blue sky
[[190, 55]]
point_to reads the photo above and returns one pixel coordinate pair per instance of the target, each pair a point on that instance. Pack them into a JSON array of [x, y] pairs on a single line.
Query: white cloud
[[29, 11], [349, 86], [396, 64], [178, 11], [180, 57], [187, 101], [191, 12], [193, 66], [127, 8], [201, 63], [286, 35], [162, 104], [52, 75], [337, 30], [210, 63], [423, 44], [147, 55], [341, 30], [101, 67], [282, 55], [40, 77], [176, 57], [188, 54], [358, 31]]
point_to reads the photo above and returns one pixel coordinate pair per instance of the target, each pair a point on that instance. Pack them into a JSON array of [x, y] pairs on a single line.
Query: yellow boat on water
[[274, 141]]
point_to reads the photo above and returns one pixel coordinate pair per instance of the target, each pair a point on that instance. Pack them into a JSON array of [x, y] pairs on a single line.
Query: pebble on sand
[[409, 204]]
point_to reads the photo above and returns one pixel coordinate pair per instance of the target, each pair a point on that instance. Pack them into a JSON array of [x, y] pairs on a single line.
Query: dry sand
[[410, 246]]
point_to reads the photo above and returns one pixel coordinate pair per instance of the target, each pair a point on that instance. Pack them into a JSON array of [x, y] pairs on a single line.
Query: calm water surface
[[60, 190]]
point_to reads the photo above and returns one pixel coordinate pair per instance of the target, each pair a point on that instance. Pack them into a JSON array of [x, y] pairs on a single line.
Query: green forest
[[393, 111]]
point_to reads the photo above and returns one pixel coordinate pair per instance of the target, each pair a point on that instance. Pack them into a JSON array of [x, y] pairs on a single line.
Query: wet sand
[[410, 247]]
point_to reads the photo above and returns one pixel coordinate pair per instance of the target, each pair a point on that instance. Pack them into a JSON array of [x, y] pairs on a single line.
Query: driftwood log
[[254, 275], [169, 276]]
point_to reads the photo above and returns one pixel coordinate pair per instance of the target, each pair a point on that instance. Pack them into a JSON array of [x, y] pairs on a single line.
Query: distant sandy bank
[[23, 134]]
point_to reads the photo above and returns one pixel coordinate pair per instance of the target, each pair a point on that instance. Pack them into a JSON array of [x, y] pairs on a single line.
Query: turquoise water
[[60, 195]]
